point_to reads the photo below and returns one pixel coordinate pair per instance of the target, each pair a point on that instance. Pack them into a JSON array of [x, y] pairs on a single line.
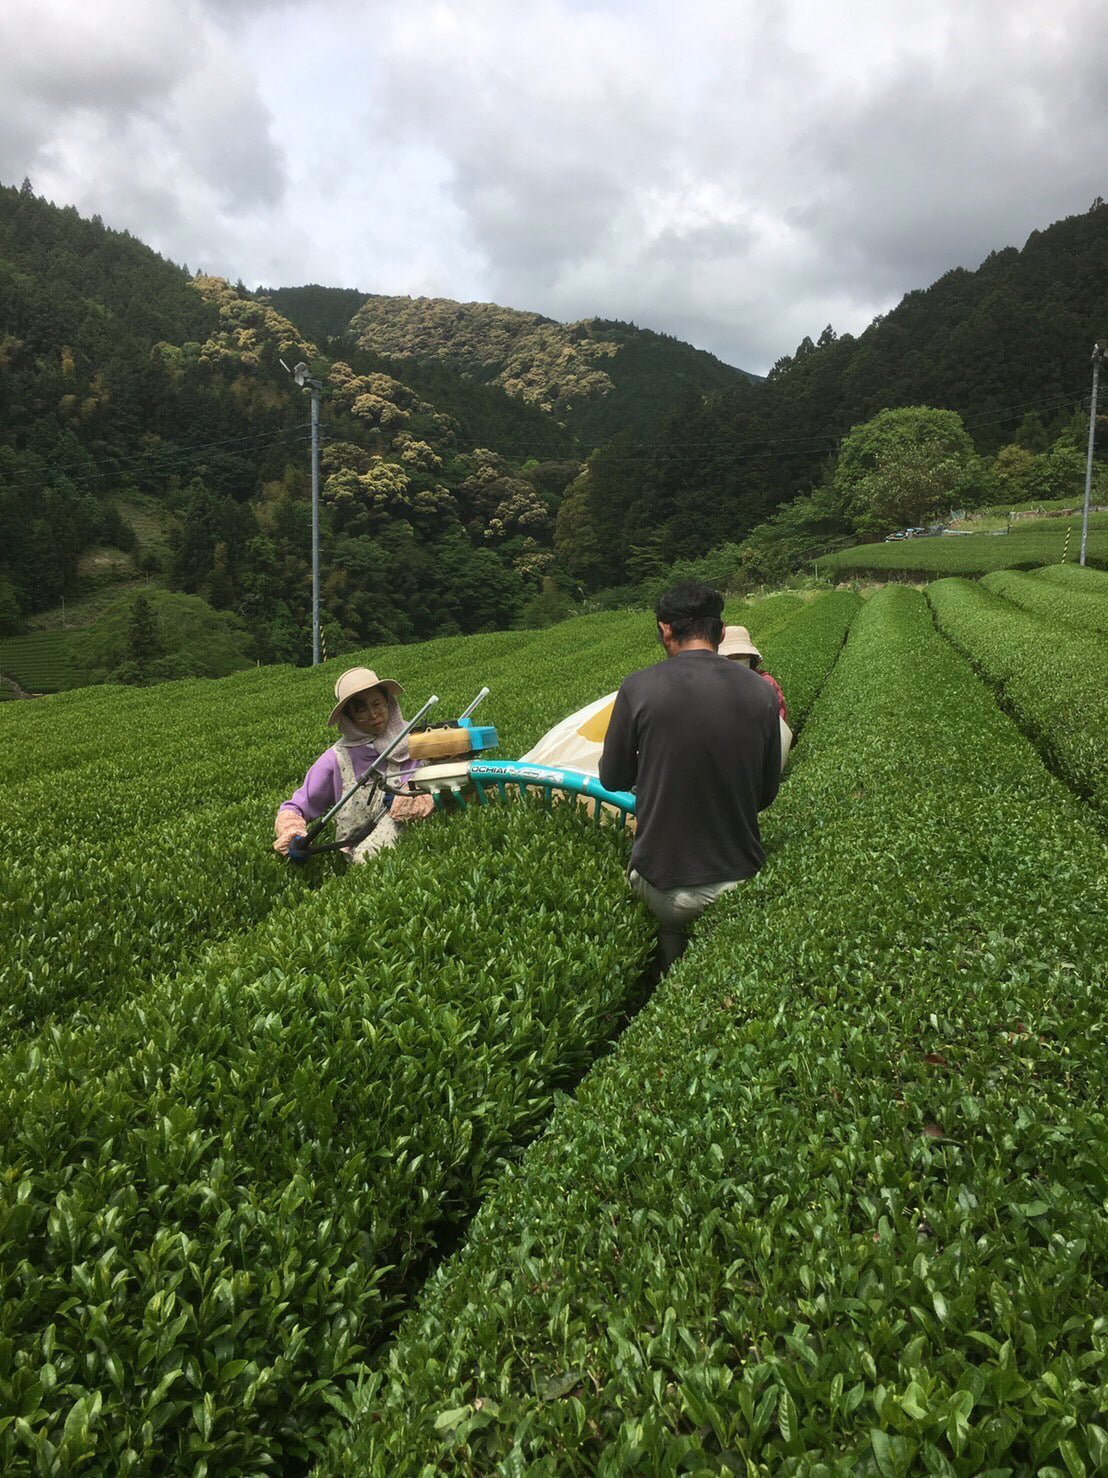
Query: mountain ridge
[[595, 376], [451, 502]]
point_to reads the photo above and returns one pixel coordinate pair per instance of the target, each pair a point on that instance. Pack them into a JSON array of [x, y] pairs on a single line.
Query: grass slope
[[1026, 547]]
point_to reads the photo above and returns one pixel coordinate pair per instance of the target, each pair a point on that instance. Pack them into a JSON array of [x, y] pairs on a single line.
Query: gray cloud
[[938, 165], [113, 57], [145, 113], [737, 172]]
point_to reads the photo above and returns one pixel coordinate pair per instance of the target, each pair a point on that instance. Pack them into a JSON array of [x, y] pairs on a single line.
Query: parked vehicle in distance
[[913, 533]]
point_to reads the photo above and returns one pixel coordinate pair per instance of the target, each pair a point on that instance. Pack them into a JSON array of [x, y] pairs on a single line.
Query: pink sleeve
[[776, 686], [321, 788]]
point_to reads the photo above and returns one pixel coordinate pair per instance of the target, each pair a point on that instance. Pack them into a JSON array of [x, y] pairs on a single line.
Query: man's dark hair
[[692, 611]]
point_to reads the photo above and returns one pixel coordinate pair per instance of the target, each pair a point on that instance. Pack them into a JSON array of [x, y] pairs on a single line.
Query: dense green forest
[[486, 414], [599, 377], [322, 312], [483, 467]]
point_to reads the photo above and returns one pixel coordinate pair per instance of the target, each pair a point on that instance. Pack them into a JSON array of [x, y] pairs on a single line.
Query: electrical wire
[[170, 452], [736, 450]]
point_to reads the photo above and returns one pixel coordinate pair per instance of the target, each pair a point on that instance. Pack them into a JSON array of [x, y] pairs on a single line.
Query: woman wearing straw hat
[[368, 717], [737, 646]]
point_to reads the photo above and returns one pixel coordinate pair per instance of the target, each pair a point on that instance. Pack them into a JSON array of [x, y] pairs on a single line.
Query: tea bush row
[[215, 1198], [1058, 605], [184, 744], [119, 732], [1053, 679], [1024, 548], [802, 653], [98, 912], [218, 1190], [835, 1204], [1076, 577], [128, 877]]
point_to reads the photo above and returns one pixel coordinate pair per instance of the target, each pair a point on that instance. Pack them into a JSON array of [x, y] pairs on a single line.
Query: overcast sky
[[735, 172]]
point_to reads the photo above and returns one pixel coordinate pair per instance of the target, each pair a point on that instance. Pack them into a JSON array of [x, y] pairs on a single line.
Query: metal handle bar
[[481, 696]]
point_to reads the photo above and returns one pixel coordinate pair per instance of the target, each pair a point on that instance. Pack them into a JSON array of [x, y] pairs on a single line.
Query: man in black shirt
[[698, 739]]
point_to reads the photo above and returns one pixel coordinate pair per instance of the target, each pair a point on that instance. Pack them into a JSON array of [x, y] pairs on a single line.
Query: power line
[[741, 449], [168, 453], [676, 452]]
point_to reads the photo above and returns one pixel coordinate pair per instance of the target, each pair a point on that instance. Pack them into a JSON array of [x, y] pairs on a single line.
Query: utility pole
[[307, 382], [1098, 355]]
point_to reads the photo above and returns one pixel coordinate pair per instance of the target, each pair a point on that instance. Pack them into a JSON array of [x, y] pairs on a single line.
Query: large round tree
[[906, 467]]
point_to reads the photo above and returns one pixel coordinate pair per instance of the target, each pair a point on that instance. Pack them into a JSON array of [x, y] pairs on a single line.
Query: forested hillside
[[1006, 346], [129, 387], [487, 414], [598, 377], [149, 432], [322, 312]]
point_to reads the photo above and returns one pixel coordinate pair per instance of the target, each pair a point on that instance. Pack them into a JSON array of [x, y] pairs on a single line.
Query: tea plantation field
[[408, 1169], [1025, 547], [40, 663]]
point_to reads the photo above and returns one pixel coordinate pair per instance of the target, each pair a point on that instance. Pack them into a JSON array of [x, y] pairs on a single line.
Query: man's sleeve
[[619, 761], [771, 763]]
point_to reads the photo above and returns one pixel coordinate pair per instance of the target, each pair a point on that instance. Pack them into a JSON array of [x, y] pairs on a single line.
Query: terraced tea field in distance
[[39, 663], [1025, 546], [409, 1169]]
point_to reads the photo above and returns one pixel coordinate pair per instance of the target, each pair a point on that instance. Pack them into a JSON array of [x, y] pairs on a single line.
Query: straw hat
[[736, 643], [357, 680]]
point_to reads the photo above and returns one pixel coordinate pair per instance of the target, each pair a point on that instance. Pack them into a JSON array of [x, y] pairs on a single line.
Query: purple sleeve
[[321, 788]]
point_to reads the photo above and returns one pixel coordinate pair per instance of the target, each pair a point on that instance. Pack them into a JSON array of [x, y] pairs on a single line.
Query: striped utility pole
[[307, 381], [1098, 355]]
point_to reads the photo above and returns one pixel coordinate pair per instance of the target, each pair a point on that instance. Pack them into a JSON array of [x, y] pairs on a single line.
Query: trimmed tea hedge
[[836, 1203], [1058, 605], [1076, 577], [803, 652], [219, 1191], [40, 663], [117, 859], [767, 614], [115, 871], [1053, 679], [214, 1199]]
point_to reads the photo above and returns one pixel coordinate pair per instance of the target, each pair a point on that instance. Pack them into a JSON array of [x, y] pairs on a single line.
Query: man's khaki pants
[[676, 909]]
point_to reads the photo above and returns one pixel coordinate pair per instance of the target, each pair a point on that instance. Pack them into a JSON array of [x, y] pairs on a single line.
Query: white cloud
[[112, 56], [738, 172], [145, 113]]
